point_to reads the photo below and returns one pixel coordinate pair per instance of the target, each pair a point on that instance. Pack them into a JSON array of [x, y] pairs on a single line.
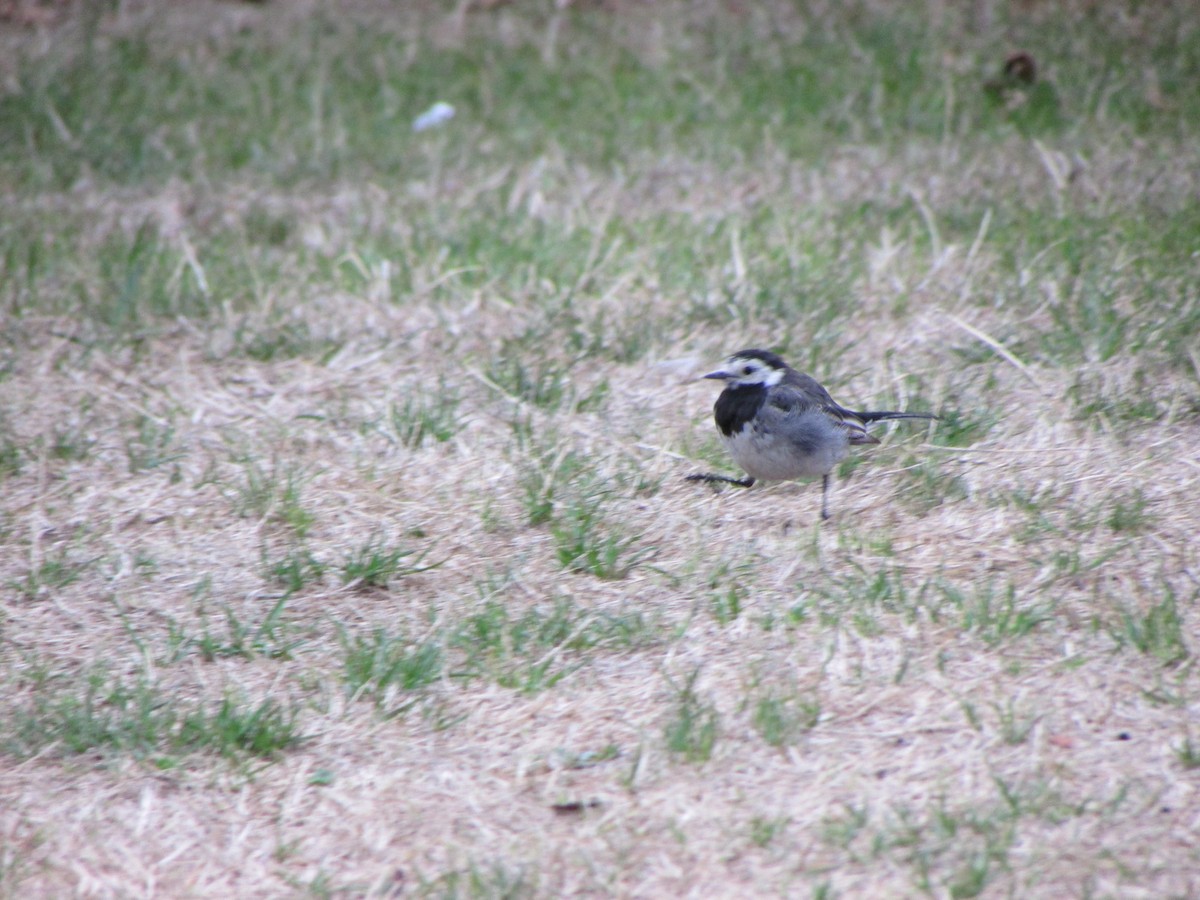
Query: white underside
[[807, 447]]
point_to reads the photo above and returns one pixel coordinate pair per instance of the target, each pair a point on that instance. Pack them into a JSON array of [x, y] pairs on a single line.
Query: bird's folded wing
[[802, 394]]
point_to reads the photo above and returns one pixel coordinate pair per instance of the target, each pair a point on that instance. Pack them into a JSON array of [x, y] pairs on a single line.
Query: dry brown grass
[[1046, 758]]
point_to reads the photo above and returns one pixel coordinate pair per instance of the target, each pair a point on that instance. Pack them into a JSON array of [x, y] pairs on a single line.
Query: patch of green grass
[[1121, 512], [280, 339], [10, 455], [71, 443], [535, 380], [971, 714], [1187, 753], [1101, 405], [235, 727], [373, 272], [18, 855], [267, 227], [1101, 318], [376, 564], [270, 492], [272, 638], [139, 281], [482, 881], [179, 644], [296, 571], [152, 446], [55, 571], [327, 100], [958, 429], [24, 264], [584, 759], [493, 644], [924, 484], [725, 605], [842, 829], [431, 415], [763, 830], [93, 711], [727, 591], [1037, 510], [535, 650], [781, 719], [862, 594], [1086, 325], [692, 730], [380, 664], [994, 615], [1070, 561], [1157, 631], [99, 713], [959, 850], [1128, 514], [291, 512], [586, 541], [1171, 688], [1015, 724], [544, 467]]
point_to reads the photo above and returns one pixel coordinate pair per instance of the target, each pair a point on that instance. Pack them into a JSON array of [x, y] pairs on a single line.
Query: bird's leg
[[825, 497], [710, 478]]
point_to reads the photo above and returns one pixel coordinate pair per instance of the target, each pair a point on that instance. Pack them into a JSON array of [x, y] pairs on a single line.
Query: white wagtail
[[780, 424]]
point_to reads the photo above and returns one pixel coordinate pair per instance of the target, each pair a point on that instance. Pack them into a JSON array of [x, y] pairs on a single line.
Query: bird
[[779, 424]]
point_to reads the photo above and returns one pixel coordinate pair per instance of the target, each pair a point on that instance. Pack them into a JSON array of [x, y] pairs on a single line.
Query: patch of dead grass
[[1048, 755]]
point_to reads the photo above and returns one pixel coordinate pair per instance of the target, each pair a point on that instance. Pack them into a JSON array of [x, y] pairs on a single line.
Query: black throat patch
[[738, 405]]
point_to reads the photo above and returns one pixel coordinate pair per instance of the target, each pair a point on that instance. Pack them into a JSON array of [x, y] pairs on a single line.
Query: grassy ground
[[344, 541]]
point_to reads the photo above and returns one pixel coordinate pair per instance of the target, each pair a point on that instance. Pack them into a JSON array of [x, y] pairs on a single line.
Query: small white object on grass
[[436, 115]]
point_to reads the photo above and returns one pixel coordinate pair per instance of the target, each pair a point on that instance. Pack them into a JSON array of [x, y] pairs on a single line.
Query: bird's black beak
[[718, 375]]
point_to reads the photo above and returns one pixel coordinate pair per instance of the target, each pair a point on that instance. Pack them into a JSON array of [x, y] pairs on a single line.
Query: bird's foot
[[712, 478]]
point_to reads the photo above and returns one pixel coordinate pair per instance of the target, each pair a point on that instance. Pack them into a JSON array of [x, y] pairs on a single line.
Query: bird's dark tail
[[889, 414]]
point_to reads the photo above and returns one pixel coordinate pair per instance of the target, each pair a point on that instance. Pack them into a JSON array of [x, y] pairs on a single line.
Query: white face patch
[[745, 371]]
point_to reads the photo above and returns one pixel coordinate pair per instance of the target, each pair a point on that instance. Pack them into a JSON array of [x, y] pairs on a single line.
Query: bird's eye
[[748, 370]]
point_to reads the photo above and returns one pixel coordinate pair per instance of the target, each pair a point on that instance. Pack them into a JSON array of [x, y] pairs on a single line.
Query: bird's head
[[751, 368]]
